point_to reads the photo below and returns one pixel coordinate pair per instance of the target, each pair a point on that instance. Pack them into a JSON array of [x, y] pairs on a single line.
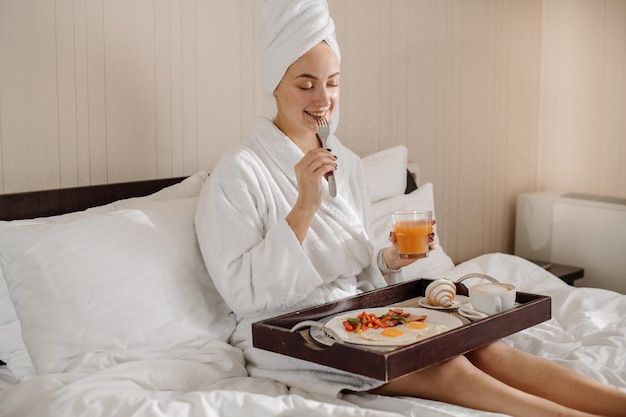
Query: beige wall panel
[[1, 141], [612, 121], [417, 41], [220, 98], [583, 101], [250, 98], [66, 90], [96, 92], [28, 101], [176, 80], [469, 46], [189, 85], [517, 162], [130, 89], [403, 49], [81, 88], [163, 63], [360, 81]]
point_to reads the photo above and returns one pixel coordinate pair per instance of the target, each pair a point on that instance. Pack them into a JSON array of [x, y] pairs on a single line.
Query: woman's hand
[[315, 165], [310, 172], [391, 256]]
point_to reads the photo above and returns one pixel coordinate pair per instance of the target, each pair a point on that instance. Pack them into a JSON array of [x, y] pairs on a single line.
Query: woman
[[274, 240]]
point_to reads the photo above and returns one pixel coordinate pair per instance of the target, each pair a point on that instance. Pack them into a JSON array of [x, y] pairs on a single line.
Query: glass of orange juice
[[412, 229]]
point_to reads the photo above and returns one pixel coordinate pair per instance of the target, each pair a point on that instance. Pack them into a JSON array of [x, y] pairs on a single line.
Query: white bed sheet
[[587, 333]]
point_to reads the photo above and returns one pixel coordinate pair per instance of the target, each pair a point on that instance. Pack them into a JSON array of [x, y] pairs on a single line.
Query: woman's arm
[[256, 271]]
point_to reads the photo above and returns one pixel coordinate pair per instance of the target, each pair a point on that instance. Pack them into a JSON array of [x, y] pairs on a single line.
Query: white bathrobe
[[259, 266]]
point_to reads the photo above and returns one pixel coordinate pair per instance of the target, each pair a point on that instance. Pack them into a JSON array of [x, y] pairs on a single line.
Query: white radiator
[[575, 229]]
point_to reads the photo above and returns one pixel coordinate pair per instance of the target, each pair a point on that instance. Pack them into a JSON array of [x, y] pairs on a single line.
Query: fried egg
[[420, 329], [392, 332], [395, 335], [417, 325], [423, 329], [402, 334]]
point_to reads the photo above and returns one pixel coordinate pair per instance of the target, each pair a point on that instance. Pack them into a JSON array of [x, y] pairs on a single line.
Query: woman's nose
[[324, 97]]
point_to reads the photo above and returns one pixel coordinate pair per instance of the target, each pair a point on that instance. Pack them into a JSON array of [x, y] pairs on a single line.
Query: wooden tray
[[274, 334]]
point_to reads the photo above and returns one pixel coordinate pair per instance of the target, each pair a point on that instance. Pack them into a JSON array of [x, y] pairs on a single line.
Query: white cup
[[492, 297]]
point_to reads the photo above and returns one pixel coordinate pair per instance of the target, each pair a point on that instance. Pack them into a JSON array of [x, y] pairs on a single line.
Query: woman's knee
[[426, 383], [457, 369], [493, 352]]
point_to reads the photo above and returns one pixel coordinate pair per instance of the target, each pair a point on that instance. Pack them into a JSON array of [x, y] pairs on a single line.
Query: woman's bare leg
[[459, 382], [540, 377]]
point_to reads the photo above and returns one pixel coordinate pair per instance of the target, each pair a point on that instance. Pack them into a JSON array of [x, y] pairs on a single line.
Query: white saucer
[[458, 301], [468, 312]]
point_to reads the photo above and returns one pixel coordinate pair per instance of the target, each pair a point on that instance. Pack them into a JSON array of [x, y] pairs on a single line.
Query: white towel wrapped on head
[[287, 30]]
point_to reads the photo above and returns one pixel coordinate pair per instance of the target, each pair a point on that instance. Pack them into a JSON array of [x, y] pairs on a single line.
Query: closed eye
[[311, 80]]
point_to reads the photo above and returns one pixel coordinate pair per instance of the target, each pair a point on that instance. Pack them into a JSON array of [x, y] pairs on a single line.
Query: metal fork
[[322, 134]]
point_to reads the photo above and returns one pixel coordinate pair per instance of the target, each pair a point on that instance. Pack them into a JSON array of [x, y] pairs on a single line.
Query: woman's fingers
[[325, 163], [314, 165], [317, 162], [433, 234]]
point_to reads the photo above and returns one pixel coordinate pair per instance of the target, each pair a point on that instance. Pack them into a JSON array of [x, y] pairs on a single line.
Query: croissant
[[441, 292]]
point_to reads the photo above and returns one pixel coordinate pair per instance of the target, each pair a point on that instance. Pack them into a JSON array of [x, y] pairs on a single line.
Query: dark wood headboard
[[45, 203]]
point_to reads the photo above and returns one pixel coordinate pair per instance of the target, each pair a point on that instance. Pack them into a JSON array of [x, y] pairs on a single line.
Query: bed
[[106, 308]]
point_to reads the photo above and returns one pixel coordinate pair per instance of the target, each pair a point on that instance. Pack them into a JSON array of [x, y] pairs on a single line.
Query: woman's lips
[[316, 115]]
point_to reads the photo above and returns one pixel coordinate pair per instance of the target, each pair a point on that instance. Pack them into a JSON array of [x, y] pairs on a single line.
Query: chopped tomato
[[364, 321]]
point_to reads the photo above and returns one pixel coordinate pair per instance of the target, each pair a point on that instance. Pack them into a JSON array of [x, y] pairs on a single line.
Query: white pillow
[[385, 172], [113, 287], [187, 188], [12, 348], [438, 263]]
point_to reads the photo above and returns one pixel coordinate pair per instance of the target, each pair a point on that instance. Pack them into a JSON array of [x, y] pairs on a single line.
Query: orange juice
[[412, 237]]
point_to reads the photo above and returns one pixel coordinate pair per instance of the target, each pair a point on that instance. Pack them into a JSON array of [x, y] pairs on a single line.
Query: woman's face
[[309, 89]]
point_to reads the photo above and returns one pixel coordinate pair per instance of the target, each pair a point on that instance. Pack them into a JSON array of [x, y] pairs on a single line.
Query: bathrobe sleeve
[[256, 272]]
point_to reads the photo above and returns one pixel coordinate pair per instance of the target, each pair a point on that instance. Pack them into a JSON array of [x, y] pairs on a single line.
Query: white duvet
[[587, 333]]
